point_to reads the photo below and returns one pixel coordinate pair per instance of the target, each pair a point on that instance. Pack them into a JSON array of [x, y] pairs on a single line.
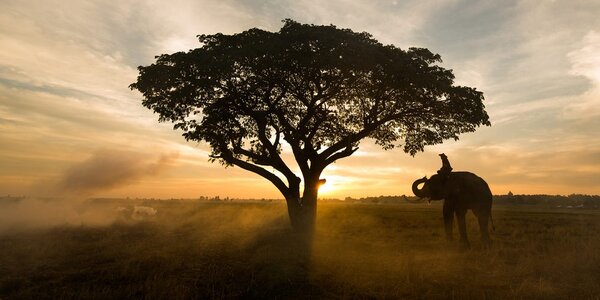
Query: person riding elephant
[[446, 169], [461, 191]]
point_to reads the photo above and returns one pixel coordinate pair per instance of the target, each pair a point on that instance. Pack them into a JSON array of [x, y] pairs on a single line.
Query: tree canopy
[[321, 89]]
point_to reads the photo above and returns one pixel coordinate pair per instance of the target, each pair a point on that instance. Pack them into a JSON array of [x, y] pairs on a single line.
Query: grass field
[[236, 250]]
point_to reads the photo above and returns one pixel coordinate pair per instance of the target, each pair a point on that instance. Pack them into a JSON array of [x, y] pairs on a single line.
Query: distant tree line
[[556, 201], [559, 201]]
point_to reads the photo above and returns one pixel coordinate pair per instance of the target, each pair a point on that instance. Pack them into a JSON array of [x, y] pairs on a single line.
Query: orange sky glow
[[69, 124]]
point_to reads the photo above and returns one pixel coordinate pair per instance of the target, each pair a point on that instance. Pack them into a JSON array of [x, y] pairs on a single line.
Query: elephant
[[461, 191]]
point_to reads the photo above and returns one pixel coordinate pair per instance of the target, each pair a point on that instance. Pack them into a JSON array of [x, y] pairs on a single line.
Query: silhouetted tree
[[320, 89]]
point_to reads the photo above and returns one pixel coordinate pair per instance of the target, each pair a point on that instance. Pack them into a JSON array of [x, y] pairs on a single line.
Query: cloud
[[586, 62], [391, 22], [551, 171], [65, 67], [40, 55], [106, 170], [42, 127], [515, 52], [563, 168]]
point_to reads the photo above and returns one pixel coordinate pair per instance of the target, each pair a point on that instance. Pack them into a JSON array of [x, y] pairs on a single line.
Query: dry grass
[[234, 250]]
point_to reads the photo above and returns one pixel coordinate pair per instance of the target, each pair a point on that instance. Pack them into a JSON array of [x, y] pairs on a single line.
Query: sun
[[327, 188], [334, 185]]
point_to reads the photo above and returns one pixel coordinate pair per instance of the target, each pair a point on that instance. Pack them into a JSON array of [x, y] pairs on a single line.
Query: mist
[[42, 213], [109, 169], [229, 249], [64, 201]]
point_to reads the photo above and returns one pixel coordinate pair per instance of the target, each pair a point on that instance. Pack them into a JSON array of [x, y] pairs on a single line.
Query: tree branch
[[344, 153], [228, 157], [349, 140], [292, 137], [255, 157], [274, 156]]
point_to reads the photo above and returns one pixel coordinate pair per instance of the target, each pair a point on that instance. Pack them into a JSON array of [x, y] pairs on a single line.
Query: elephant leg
[[448, 220], [483, 228], [462, 228]]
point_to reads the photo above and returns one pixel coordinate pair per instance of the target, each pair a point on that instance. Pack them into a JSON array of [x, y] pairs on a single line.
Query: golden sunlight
[[335, 186], [327, 188]]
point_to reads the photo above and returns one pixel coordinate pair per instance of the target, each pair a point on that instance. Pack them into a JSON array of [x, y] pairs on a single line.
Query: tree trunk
[[303, 213], [302, 216]]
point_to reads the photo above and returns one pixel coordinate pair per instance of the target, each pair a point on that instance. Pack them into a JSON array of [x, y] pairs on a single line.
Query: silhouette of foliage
[[320, 89]]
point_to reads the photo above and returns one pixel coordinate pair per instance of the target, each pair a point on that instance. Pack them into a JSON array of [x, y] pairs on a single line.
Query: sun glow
[[326, 189], [335, 186]]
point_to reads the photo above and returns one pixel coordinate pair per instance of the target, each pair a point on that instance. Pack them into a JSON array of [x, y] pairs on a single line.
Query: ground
[[235, 250]]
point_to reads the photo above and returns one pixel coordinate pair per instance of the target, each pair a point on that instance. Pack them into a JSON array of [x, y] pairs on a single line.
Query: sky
[[69, 124]]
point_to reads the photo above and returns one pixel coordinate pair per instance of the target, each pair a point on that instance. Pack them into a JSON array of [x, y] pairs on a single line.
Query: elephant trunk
[[415, 188]]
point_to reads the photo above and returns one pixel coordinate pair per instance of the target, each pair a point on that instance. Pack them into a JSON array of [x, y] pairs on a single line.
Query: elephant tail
[[492, 220]]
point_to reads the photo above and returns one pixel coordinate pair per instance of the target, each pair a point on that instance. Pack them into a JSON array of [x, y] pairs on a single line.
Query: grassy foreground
[[234, 250]]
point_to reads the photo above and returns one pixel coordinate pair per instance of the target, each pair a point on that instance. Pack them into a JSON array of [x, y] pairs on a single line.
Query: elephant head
[[433, 188]]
